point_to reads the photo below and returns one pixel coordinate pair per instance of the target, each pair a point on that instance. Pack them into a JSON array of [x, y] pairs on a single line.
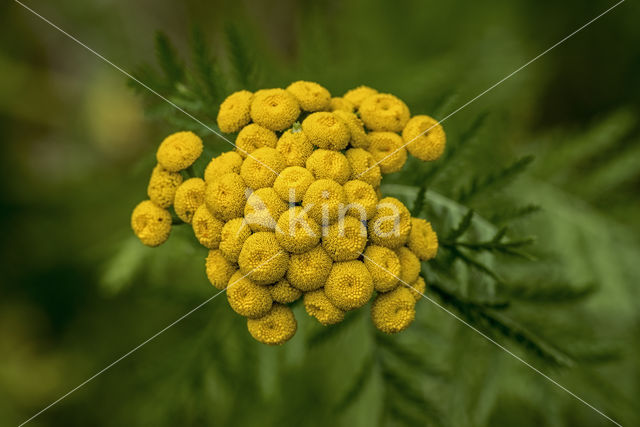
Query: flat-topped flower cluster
[[296, 212]]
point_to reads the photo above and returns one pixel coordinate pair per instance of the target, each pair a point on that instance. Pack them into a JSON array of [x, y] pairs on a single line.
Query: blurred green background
[[77, 148]]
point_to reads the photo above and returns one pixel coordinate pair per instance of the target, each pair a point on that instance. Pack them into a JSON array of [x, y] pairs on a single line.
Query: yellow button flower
[[228, 162], [225, 196], [151, 223], [363, 166], [162, 186], [384, 113], [234, 111], [409, 265], [189, 196], [296, 232], [261, 168], [418, 288], [423, 241], [218, 269], [178, 151], [424, 138], [274, 328], [323, 201], [341, 104], [247, 298], [326, 130], [263, 259], [384, 266], [311, 96], [207, 228], [359, 138], [308, 271], [283, 293], [294, 146], [318, 305], [263, 209], [275, 109], [349, 285], [328, 164], [391, 224], [387, 150], [359, 94], [393, 311], [345, 239], [292, 183], [361, 198], [232, 238], [254, 136]]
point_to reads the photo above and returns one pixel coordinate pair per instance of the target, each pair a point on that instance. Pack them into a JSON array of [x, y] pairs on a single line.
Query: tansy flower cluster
[[295, 212]]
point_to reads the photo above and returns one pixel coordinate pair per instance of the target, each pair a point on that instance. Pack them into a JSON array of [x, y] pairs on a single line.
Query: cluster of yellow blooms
[[296, 212]]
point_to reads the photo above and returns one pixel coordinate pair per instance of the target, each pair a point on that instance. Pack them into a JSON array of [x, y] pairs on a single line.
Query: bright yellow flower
[[207, 228], [359, 138], [384, 113], [294, 147], [189, 196], [392, 312], [254, 136], [363, 166], [296, 232], [323, 201], [275, 109], [423, 241], [361, 198], [232, 238], [391, 224], [263, 259], [234, 111], [357, 95], [225, 196], [349, 285], [311, 96], [151, 223], [384, 266], [292, 183], [274, 328], [218, 269], [418, 288], [178, 151], [228, 162], [261, 168], [341, 104], [424, 137], [409, 265], [328, 164], [387, 150], [345, 239], [246, 297], [318, 305], [263, 209], [162, 186], [308, 271], [284, 293], [326, 130]]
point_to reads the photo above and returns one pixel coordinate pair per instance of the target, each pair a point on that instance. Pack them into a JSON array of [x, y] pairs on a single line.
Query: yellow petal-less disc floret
[[323, 201], [319, 306], [189, 196], [261, 168], [206, 227], [254, 136], [162, 186], [228, 162], [341, 104], [391, 224], [392, 312], [151, 223], [308, 271], [274, 328], [387, 150], [275, 109], [359, 138], [409, 265], [326, 130], [424, 138], [296, 232], [219, 269], [232, 238], [247, 298], [423, 241], [283, 293], [225, 196], [359, 94], [363, 166], [178, 151], [384, 266], [294, 146], [329, 164], [361, 198], [263, 209], [349, 285], [345, 239], [263, 259], [311, 96], [418, 288], [292, 183], [234, 111], [384, 113]]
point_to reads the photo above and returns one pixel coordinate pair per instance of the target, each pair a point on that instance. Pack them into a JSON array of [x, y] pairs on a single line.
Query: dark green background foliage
[[535, 202]]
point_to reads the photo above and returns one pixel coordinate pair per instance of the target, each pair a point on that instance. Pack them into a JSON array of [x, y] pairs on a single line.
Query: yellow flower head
[[263, 259], [359, 138], [261, 167], [418, 288], [274, 328], [308, 271], [162, 186], [254, 136], [359, 94], [345, 239], [234, 111], [423, 241], [228, 162], [178, 151], [363, 166], [361, 198], [341, 104], [387, 150], [294, 146], [384, 113], [311, 96], [189, 196], [318, 305], [246, 297], [275, 109], [349, 285], [232, 238], [263, 209], [296, 232], [384, 266], [326, 130], [225, 196], [151, 223], [328, 164], [283, 293], [409, 265], [323, 201], [292, 183], [219, 270], [391, 224], [392, 312], [207, 228], [424, 137]]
